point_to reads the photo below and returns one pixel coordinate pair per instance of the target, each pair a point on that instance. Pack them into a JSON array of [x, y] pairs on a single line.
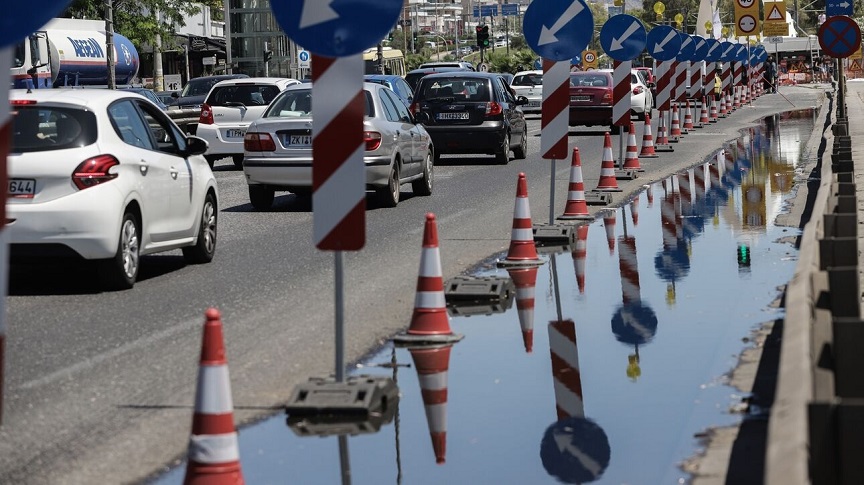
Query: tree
[[134, 19]]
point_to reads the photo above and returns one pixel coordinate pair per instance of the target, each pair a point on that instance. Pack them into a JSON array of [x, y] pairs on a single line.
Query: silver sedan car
[[278, 147]]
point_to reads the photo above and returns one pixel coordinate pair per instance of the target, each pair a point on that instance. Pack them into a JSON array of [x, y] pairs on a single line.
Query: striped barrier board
[[338, 171], [621, 93], [681, 81], [555, 112], [664, 84]]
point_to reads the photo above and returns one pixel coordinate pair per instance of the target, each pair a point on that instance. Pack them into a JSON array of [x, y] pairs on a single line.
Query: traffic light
[[483, 36], [268, 54], [390, 36], [743, 255]]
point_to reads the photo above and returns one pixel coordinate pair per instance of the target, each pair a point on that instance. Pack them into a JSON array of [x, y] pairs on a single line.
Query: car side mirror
[[195, 146], [521, 100], [422, 117], [651, 85], [175, 94]]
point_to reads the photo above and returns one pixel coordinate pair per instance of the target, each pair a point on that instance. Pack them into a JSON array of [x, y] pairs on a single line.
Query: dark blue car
[[394, 82]]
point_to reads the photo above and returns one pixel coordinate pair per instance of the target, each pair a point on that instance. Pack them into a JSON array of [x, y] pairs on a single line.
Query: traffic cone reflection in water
[[433, 365], [525, 281]]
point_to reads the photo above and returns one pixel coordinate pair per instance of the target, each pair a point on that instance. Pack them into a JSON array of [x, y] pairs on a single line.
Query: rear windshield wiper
[[235, 103]]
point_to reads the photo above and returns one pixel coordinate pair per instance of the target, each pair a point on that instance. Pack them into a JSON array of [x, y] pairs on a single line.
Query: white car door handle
[[143, 167], [173, 172]]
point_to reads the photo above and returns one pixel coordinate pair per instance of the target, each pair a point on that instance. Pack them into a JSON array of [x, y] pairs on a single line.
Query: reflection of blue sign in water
[[336, 28], [673, 264], [509, 9], [558, 29], [623, 37], [575, 450], [688, 48], [663, 43], [634, 323]]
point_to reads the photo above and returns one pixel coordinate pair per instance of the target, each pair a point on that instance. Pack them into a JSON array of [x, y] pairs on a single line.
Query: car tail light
[[607, 97], [258, 142], [94, 171], [637, 90], [493, 108], [206, 117], [372, 140], [415, 108], [23, 102]]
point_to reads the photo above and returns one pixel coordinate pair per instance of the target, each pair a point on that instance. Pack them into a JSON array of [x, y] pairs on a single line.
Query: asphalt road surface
[[100, 386]]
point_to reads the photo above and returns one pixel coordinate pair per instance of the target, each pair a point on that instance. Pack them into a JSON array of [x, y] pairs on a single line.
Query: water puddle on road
[[612, 368]]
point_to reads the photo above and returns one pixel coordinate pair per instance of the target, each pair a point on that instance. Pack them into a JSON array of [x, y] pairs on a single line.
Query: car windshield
[[459, 89], [588, 80], [43, 128], [527, 80], [245, 94], [298, 102], [198, 87]]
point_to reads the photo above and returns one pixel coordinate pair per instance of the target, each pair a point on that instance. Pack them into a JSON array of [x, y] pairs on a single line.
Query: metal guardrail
[[816, 430]]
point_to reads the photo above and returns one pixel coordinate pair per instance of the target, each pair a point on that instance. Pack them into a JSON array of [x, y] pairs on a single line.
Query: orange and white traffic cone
[[577, 206], [713, 112], [609, 220], [647, 141], [433, 364], [430, 323], [634, 210], [703, 113], [688, 117], [525, 281], [662, 143], [522, 251], [607, 182], [631, 156], [724, 109], [214, 454], [579, 254], [675, 129]]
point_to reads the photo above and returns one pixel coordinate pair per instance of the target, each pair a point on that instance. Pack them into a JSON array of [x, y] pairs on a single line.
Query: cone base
[[650, 155], [573, 217], [413, 339], [510, 263], [664, 148], [610, 189]]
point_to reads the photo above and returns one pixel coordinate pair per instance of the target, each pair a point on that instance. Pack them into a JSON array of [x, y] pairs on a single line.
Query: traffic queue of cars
[[108, 177]]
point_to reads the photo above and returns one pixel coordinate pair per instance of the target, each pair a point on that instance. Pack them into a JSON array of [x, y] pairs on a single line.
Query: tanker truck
[[72, 52]]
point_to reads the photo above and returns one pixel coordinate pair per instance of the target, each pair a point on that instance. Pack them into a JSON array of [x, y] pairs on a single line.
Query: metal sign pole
[[339, 309], [552, 191]]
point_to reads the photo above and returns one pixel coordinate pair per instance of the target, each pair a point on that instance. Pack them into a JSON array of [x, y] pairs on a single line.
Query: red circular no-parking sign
[[840, 36]]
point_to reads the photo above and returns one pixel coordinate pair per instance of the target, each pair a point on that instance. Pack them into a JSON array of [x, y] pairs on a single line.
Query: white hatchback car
[[229, 108], [105, 175], [529, 84], [641, 99], [278, 146]]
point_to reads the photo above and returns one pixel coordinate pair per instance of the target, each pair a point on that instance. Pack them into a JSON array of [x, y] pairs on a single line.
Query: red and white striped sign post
[[621, 109], [554, 118], [338, 171], [665, 71]]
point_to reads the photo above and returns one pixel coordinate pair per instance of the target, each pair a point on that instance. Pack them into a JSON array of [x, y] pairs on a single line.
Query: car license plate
[[534, 104], [299, 140], [24, 188], [580, 98], [235, 133], [453, 116]]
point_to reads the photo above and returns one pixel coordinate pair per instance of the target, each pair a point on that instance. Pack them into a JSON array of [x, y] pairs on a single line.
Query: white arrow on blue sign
[[558, 29], [663, 43], [623, 37], [337, 28], [838, 7]]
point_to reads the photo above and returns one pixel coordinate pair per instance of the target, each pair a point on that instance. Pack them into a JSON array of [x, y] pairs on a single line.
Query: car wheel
[[520, 152], [238, 161], [205, 244], [261, 197], [503, 155], [121, 271], [389, 194], [211, 159], [423, 186]]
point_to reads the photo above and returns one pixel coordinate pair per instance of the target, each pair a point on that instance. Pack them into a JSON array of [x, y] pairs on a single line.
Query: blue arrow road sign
[[741, 53], [728, 54], [623, 37], [688, 48], [838, 7], [701, 48], [715, 50], [663, 43], [558, 29], [336, 28]]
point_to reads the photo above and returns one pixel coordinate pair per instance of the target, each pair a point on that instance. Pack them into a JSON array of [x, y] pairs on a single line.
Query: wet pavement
[[607, 362]]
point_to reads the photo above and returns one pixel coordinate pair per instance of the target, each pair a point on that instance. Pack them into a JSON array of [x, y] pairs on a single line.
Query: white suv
[[228, 110]]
